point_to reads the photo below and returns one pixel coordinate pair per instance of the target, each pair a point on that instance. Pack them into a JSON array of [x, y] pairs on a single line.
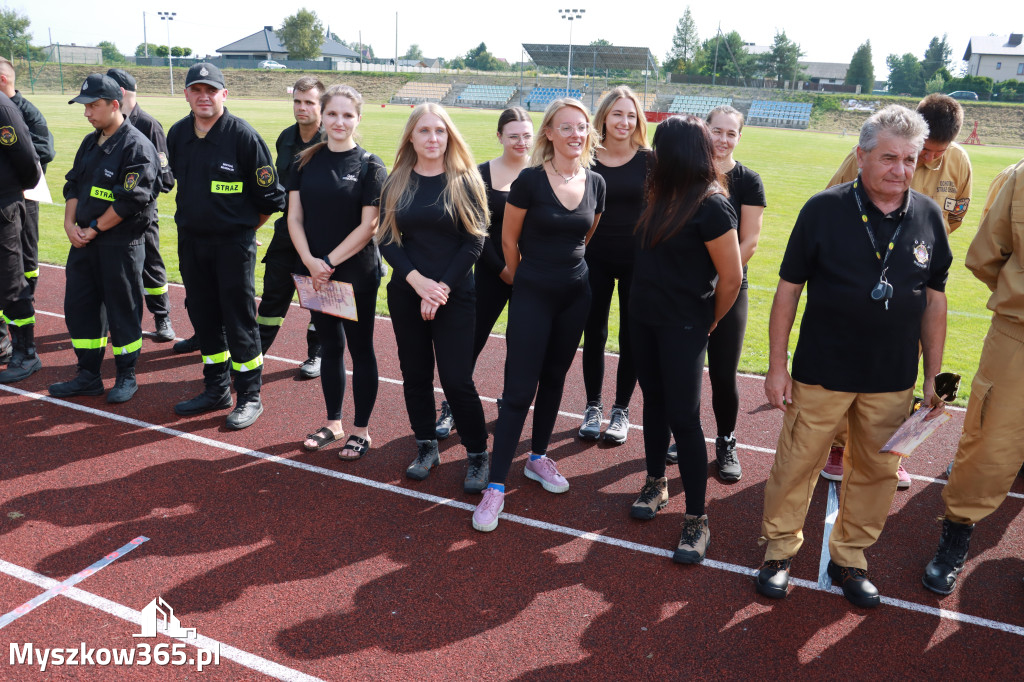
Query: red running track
[[302, 566]]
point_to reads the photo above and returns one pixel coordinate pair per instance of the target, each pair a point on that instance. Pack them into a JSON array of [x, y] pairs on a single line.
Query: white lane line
[[251, 661], [514, 518]]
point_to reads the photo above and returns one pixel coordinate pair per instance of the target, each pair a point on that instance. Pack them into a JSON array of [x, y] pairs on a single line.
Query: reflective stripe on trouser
[[249, 366], [869, 481], [269, 321], [219, 275], [104, 292], [19, 322], [154, 274], [30, 274], [216, 358], [990, 452]]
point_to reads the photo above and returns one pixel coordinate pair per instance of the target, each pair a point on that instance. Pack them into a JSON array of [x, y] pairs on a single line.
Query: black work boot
[[86, 382], [164, 331], [124, 388], [249, 408], [941, 572], [189, 345], [24, 361]]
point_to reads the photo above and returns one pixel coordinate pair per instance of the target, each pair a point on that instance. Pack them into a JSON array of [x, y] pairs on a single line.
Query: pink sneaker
[[833, 470], [904, 477], [545, 471], [485, 517]]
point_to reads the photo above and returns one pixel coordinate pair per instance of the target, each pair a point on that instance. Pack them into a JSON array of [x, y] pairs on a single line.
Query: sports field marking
[[251, 661], [512, 518], [60, 588]]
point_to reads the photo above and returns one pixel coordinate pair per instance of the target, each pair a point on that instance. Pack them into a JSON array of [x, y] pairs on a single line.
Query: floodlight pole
[[571, 15], [169, 17]]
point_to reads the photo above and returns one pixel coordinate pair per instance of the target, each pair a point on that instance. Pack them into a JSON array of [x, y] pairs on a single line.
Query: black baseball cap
[[205, 72], [97, 86], [123, 78]]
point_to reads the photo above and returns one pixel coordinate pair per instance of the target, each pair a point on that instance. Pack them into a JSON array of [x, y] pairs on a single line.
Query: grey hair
[[895, 120]]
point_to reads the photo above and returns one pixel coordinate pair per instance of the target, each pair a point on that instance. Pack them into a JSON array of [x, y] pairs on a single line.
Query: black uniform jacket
[[19, 163], [151, 128], [123, 174], [226, 180]]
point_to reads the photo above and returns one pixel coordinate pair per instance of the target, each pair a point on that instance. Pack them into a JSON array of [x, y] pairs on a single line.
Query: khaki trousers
[[869, 478], [991, 448]]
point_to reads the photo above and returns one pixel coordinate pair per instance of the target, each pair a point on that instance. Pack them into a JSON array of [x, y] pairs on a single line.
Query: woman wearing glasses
[[622, 162], [493, 279], [686, 278], [553, 209], [433, 223]]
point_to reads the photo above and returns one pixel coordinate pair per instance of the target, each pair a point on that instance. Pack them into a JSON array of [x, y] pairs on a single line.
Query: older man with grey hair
[[874, 256]]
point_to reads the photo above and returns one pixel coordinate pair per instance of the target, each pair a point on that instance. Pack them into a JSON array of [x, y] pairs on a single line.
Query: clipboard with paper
[[334, 298], [916, 429]]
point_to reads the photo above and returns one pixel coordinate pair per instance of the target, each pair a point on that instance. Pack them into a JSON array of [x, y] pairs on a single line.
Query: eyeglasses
[[567, 129], [516, 139]]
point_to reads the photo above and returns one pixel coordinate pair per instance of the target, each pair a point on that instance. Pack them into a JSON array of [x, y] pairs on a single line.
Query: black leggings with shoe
[[603, 273], [335, 333], [670, 367], [448, 338], [545, 320], [725, 344]]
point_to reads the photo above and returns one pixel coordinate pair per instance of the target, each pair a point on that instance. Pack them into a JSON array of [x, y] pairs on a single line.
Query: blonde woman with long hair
[[622, 160], [433, 223], [553, 209]]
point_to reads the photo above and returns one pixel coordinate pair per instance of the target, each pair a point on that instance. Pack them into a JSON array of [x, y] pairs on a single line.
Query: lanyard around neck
[[867, 227]]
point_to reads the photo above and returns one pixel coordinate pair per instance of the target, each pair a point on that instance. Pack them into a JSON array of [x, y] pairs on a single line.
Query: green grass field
[[793, 164]]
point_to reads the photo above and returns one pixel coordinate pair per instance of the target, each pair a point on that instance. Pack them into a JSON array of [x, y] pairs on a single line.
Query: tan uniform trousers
[[991, 448], [869, 478]]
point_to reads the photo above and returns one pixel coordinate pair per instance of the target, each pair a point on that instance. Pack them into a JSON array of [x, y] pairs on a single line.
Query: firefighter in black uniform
[[154, 274], [227, 188], [42, 140], [109, 204], [19, 170], [281, 258]]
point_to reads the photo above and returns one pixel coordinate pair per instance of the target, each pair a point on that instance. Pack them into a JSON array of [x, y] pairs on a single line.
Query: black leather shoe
[[206, 401], [189, 345], [857, 589], [941, 572], [773, 578], [124, 388], [85, 383], [249, 408]]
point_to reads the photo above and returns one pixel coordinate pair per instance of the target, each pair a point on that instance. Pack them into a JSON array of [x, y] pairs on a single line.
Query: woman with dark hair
[[493, 279], [553, 209], [622, 161], [686, 278], [433, 223], [332, 218]]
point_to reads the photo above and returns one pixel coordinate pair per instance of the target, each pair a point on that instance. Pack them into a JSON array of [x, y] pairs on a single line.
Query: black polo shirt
[[121, 173], [226, 180], [848, 341]]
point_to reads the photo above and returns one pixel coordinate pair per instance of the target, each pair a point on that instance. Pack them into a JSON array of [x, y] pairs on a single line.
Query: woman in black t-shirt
[[543, 241], [746, 194], [686, 277], [433, 223], [332, 217], [493, 279], [622, 162]]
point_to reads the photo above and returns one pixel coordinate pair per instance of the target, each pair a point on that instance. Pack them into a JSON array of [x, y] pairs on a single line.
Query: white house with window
[[1001, 58]]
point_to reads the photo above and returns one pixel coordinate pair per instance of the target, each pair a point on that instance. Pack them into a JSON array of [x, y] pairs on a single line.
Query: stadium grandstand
[[486, 95], [779, 114], [696, 105], [415, 92], [591, 60]]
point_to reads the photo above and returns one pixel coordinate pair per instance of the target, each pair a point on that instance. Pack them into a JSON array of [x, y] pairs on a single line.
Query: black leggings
[[449, 339], [670, 366], [603, 274], [724, 348], [334, 333], [545, 320], [492, 295]]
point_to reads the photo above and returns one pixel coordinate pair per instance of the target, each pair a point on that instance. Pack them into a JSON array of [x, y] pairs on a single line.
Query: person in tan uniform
[[990, 454], [943, 173]]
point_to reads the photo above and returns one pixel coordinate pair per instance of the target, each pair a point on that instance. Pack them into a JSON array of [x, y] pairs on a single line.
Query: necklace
[[566, 180]]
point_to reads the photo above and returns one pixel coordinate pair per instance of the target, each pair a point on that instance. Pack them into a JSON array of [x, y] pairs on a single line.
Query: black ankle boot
[[941, 572]]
